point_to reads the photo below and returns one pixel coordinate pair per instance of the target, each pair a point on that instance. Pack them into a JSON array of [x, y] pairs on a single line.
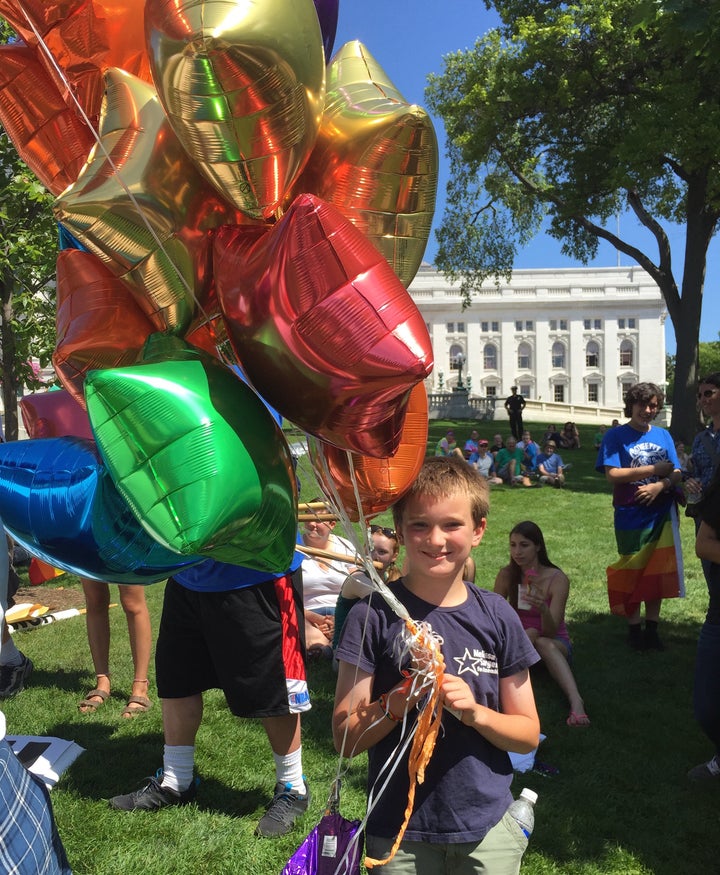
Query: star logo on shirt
[[466, 662]]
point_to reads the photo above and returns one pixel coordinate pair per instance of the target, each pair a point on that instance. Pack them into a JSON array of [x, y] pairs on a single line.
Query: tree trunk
[[699, 227], [7, 350]]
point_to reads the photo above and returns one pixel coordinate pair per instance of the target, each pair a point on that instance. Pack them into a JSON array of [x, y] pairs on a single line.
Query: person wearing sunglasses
[[705, 457], [705, 452], [384, 551]]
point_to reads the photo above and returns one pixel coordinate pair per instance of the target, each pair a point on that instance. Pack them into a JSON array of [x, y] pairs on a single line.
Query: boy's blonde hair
[[445, 476]]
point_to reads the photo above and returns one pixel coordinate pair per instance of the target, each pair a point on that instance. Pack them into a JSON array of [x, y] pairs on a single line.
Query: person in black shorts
[[241, 631]]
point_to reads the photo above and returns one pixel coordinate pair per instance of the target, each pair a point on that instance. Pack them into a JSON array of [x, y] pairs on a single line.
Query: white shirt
[[321, 586]]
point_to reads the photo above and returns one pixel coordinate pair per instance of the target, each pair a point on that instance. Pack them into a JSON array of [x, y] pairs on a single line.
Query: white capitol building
[[572, 339]]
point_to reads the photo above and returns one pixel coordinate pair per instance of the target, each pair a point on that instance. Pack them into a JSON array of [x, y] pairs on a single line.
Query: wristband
[[383, 700]]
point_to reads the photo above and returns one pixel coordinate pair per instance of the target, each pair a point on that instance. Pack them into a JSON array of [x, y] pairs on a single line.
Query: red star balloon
[[324, 329]]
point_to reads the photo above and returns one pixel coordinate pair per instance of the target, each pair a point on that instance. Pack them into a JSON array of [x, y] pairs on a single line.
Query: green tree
[[28, 248], [568, 114]]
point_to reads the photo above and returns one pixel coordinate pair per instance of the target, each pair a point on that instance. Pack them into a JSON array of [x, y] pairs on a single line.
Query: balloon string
[[116, 171]]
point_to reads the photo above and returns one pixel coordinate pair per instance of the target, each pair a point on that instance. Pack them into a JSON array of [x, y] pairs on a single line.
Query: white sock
[[178, 765], [289, 770], [9, 654]]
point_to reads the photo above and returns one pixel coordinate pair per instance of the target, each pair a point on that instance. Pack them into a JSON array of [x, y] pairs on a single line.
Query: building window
[[626, 354], [496, 326], [626, 387], [592, 355], [559, 393], [586, 324], [621, 323], [485, 326], [491, 391], [450, 327], [518, 325], [563, 325], [553, 325], [524, 357], [529, 325], [461, 327], [597, 324], [631, 323], [490, 357], [455, 351], [526, 391], [593, 393], [558, 355]]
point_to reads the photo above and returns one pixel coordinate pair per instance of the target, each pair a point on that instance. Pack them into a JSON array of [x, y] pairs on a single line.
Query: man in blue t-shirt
[[550, 466], [242, 631]]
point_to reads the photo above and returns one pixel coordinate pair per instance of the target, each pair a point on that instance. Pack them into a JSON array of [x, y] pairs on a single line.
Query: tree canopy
[[28, 249], [568, 114]]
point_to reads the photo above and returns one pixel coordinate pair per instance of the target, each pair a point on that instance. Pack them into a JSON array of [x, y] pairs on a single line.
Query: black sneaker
[[651, 639], [153, 796], [706, 772], [283, 811], [635, 637], [13, 677]]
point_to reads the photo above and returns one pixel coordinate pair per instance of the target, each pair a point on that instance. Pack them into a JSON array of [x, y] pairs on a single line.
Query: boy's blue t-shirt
[[467, 782]]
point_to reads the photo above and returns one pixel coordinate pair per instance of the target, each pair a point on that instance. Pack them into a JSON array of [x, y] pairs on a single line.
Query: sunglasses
[[383, 530], [706, 393]]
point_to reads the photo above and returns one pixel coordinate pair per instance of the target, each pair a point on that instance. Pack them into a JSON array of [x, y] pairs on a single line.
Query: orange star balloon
[[50, 137], [142, 208], [99, 323], [84, 38], [325, 331], [380, 482], [376, 159], [243, 86]]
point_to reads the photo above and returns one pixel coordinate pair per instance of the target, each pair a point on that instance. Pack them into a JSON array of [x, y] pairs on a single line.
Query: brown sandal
[[89, 704], [142, 704]]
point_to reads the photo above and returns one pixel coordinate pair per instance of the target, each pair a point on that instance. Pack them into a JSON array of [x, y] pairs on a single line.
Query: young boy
[[460, 810]]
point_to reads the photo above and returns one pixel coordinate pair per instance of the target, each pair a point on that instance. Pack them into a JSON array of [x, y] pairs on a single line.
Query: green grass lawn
[[619, 805]]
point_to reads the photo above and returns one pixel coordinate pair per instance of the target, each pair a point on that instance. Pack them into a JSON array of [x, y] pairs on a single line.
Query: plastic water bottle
[[523, 811]]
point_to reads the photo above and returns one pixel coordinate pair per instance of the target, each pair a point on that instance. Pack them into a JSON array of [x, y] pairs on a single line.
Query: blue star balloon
[[58, 501]]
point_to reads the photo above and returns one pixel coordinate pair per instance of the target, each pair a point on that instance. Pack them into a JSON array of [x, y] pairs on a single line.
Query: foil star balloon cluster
[[233, 198]]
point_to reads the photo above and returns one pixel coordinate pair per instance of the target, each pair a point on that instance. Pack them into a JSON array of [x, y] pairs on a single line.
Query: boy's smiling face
[[438, 534]]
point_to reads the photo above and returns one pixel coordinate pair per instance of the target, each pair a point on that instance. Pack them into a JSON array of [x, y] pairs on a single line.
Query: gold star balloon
[[142, 208], [375, 159], [243, 85]]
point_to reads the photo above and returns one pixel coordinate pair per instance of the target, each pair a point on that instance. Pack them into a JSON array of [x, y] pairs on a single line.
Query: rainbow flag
[[650, 564]]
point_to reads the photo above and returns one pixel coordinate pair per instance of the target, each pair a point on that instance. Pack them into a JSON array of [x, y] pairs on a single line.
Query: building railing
[[441, 406]]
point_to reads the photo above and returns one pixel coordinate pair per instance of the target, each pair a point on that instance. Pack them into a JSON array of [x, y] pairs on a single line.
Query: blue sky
[[409, 38]]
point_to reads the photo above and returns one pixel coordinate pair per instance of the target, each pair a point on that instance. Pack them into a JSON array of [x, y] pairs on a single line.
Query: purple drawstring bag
[[332, 848]]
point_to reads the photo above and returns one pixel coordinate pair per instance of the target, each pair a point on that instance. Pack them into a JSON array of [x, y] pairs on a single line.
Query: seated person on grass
[[551, 466], [486, 464], [538, 590], [509, 464]]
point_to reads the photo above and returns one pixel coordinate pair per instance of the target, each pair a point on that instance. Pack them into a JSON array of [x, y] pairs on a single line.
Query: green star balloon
[[197, 456]]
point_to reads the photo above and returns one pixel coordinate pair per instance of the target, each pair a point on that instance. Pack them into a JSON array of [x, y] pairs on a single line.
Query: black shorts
[[250, 643]]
